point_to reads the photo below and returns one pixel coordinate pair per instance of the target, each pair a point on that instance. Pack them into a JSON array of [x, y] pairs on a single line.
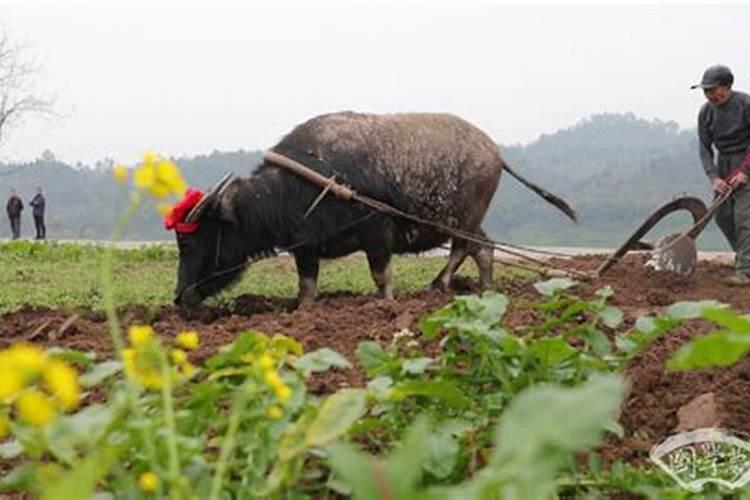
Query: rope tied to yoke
[[346, 193]]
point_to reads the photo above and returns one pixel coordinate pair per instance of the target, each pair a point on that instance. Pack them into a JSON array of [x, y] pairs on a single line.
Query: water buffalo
[[435, 166]]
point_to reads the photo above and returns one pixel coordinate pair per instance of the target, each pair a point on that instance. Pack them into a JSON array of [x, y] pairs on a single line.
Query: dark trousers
[[733, 217], [15, 226], [41, 230]]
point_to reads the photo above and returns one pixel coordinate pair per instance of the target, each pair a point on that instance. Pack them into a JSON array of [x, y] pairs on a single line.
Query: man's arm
[[705, 142]]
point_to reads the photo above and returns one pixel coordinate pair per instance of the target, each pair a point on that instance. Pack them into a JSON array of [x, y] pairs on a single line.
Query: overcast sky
[[189, 77]]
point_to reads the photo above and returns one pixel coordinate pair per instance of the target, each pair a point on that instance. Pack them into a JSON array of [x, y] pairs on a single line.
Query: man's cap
[[715, 76]]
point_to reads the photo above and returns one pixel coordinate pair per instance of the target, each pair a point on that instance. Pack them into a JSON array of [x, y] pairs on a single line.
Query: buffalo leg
[[459, 251], [380, 267], [483, 255], [308, 266]]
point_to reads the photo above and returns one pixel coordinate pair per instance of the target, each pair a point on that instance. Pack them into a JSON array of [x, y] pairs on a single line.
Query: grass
[[56, 275]]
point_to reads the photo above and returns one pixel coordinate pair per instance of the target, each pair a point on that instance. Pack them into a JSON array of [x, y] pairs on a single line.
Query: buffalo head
[[211, 253]]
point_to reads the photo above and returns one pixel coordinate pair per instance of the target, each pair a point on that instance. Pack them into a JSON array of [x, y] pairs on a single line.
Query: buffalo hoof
[[440, 286], [305, 303]]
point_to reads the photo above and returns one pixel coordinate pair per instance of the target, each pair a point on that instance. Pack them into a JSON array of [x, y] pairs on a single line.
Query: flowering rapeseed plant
[[142, 359], [120, 173], [188, 340], [148, 481], [158, 176], [35, 385]]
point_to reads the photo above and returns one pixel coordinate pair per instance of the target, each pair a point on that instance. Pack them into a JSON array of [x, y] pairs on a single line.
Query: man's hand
[[721, 186], [737, 180]]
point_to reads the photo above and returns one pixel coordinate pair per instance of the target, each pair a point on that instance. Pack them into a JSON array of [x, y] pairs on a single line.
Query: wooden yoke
[[331, 185]]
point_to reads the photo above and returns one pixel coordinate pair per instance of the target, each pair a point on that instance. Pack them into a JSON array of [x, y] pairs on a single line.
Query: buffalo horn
[[213, 194]]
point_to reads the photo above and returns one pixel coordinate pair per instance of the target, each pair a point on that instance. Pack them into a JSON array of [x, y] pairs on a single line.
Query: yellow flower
[[62, 382], [120, 173], [144, 176], [275, 412], [151, 379], [170, 176], [187, 370], [149, 158], [266, 362], [28, 358], [188, 340], [141, 368], [35, 408], [11, 382], [140, 335], [283, 392], [4, 426], [178, 356], [272, 378], [159, 176], [148, 481]]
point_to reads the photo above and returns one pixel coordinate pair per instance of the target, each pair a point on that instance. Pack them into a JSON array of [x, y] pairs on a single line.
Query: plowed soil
[[341, 321]]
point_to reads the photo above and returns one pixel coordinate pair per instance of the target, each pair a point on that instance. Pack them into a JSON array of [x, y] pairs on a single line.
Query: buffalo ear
[[210, 199], [225, 203]]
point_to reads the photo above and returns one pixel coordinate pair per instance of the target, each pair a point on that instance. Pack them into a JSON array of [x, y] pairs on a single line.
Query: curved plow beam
[[694, 205]]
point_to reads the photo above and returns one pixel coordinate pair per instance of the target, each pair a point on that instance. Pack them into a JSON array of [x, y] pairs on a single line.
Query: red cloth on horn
[[175, 218]]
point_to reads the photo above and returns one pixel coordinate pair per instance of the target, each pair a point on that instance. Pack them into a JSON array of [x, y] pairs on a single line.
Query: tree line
[[614, 168]]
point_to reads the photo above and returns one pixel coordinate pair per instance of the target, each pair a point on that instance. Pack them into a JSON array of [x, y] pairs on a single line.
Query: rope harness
[[329, 185]]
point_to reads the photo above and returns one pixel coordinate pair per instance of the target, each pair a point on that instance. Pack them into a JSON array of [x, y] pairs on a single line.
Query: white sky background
[[185, 78]]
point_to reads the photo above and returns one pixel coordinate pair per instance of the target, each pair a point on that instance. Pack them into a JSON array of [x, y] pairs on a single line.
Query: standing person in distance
[[14, 207], [38, 204], [724, 138]]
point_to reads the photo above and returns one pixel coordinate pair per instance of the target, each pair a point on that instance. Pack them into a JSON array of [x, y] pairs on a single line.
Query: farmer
[[38, 202], [14, 208], [724, 125]]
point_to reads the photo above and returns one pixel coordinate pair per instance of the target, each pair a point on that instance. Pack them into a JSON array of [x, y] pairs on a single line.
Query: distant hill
[[614, 168]]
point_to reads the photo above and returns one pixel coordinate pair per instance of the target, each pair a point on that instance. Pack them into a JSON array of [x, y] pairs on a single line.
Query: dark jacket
[[38, 203], [725, 127], [14, 206]]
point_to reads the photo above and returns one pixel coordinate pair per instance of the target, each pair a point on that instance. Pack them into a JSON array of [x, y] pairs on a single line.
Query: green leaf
[[442, 389], [396, 477], [599, 342], [442, 455], [543, 418], [645, 324], [20, 478], [79, 431], [337, 413], [552, 350], [611, 316], [356, 470], [714, 349], [380, 387], [293, 440], [729, 319], [321, 360], [80, 481], [99, 373], [539, 432], [468, 314], [404, 467], [72, 356], [691, 309], [432, 324], [10, 449], [232, 354], [551, 287], [373, 358], [415, 366], [605, 292]]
